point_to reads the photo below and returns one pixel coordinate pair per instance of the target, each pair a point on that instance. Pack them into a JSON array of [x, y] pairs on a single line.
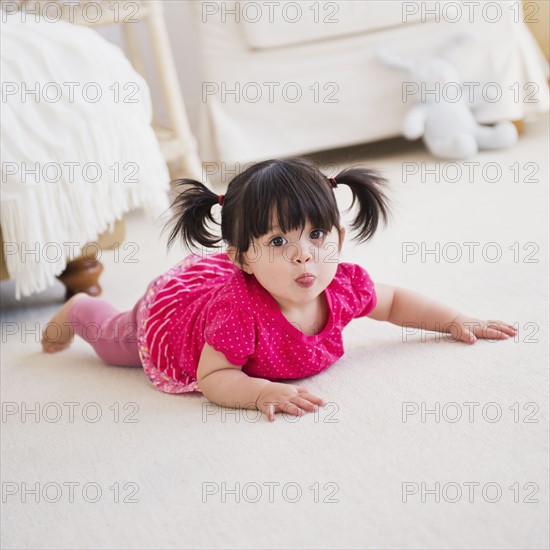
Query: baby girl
[[234, 324]]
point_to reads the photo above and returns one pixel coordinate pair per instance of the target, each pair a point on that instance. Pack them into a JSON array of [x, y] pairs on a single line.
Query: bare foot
[[58, 333]]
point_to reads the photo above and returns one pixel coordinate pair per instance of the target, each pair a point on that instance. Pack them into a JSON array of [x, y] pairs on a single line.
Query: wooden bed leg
[[82, 275], [520, 126]]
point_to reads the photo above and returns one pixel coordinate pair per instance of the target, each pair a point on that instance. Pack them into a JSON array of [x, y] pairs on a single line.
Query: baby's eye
[[318, 231], [276, 242]]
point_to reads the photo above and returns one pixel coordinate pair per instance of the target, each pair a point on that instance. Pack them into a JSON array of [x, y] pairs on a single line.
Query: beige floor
[[367, 477]]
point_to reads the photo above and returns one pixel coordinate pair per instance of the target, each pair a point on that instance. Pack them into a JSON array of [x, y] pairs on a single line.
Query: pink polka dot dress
[[208, 299]]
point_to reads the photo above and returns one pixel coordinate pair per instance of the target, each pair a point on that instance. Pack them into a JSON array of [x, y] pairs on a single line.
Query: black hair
[[294, 189]]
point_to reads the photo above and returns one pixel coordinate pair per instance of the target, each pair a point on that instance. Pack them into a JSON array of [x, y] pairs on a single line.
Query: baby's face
[[277, 260]]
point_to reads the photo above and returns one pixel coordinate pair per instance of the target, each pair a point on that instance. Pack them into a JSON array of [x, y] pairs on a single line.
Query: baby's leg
[[112, 334]]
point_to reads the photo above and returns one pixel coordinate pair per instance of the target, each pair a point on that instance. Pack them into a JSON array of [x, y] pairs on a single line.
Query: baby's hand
[[276, 397], [469, 329]]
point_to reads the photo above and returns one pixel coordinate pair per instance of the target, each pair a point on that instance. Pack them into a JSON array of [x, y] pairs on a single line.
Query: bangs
[[290, 193]]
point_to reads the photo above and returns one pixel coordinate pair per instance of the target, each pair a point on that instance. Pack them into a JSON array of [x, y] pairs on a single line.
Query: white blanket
[[78, 150]]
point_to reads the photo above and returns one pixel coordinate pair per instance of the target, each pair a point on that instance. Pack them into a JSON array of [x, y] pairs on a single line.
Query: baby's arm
[[410, 309], [226, 384]]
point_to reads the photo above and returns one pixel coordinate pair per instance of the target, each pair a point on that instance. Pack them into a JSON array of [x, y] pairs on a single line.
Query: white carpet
[[350, 462]]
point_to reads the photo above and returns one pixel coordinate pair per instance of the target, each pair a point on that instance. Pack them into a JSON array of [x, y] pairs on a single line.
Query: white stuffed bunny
[[449, 128]]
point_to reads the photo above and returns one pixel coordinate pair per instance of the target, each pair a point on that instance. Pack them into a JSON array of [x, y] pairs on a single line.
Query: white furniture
[[325, 51], [73, 162], [177, 142]]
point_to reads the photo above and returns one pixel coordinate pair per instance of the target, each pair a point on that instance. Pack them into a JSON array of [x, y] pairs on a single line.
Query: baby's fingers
[[492, 334], [291, 408], [271, 412], [510, 330], [464, 336], [284, 406], [310, 397], [494, 330], [305, 404]]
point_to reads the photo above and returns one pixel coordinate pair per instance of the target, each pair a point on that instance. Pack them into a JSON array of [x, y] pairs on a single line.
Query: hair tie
[[220, 199], [333, 182]]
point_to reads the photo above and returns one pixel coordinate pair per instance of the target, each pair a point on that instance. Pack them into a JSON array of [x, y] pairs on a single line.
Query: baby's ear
[[342, 237], [232, 253]]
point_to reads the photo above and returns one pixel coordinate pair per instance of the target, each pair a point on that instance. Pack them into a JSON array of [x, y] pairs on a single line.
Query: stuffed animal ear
[[393, 60]]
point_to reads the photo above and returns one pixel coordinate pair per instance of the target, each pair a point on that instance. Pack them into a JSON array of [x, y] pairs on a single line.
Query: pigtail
[[191, 208], [367, 186]]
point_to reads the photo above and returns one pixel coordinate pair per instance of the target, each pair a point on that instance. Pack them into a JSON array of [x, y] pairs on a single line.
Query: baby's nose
[[302, 253]]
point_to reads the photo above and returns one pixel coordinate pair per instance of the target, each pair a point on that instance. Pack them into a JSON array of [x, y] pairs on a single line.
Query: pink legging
[[112, 334]]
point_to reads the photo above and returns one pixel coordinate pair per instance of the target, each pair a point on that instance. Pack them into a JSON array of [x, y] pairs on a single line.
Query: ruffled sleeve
[[230, 330], [362, 295]]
